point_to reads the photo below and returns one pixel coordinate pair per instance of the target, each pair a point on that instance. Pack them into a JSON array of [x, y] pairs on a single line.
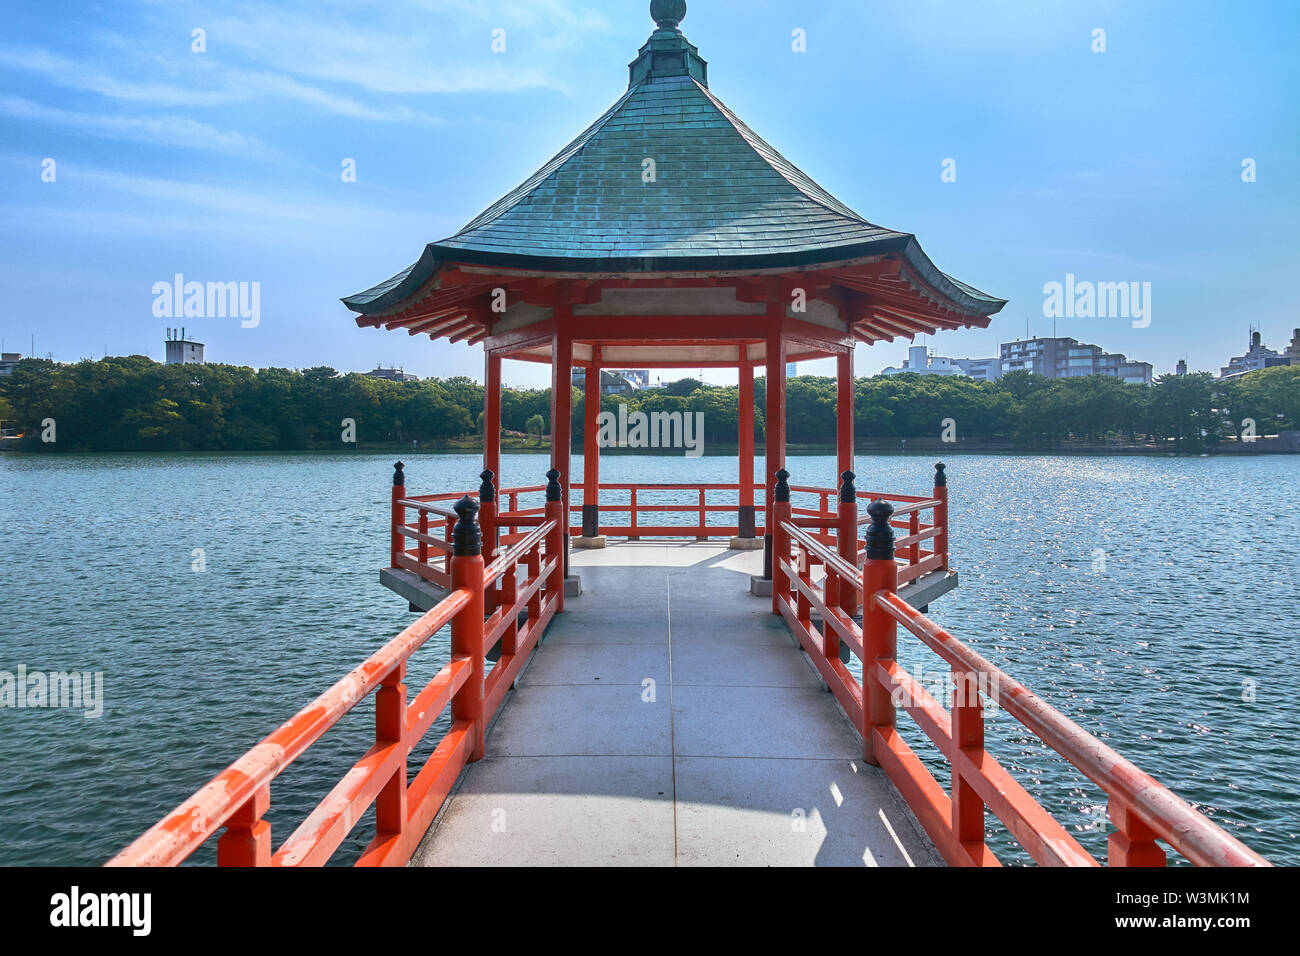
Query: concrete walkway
[[669, 719]]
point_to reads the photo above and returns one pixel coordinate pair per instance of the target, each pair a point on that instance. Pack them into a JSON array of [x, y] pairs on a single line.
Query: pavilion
[[669, 235]]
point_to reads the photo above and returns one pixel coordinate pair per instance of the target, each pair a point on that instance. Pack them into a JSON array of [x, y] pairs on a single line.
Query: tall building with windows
[[1258, 356], [1293, 350], [1070, 358]]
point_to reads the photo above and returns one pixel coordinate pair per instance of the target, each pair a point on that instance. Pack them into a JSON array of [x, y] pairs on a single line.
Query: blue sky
[[225, 165]]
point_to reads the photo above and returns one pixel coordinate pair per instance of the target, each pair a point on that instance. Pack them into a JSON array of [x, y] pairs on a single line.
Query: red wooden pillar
[[746, 442], [591, 448], [879, 632], [492, 415], [844, 411], [562, 419], [467, 632], [775, 424]]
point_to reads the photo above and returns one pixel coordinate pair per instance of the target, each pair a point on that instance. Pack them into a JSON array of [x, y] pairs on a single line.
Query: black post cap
[[848, 490], [782, 486], [466, 537], [553, 490], [487, 491], [399, 476], [880, 534], [940, 476]]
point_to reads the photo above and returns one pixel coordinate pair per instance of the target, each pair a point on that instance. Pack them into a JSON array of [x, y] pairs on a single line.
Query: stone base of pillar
[[746, 544], [760, 586], [590, 544], [573, 586]]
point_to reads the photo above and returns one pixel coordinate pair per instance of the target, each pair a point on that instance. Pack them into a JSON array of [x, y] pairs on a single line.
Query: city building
[[1258, 356], [182, 351], [920, 361], [1293, 350], [1181, 370], [8, 360], [393, 375], [1070, 358], [792, 370], [616, 381]]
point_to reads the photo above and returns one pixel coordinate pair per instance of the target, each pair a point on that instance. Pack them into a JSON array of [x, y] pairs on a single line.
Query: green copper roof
[[668, 179]]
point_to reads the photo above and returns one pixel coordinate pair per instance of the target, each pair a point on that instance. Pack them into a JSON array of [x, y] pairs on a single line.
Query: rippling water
[[1197, 597]]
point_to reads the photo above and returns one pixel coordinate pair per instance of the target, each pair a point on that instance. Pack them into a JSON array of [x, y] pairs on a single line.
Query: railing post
[[802, 603], [968, 736], [1133, 843], [398, 546], [487, 522], [423, 551], [555, 540], [247, 840], [879, 632], [780, 538], [390, 727], [941, 512], [847, 540], [704, 518], [467, 626], [913, 529]]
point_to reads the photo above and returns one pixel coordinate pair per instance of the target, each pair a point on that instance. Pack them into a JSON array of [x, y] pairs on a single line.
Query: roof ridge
[[787, 170]]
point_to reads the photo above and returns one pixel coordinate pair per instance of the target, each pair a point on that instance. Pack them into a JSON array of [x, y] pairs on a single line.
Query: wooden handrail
[[1173, 820], [239, 797], [1142, 809]]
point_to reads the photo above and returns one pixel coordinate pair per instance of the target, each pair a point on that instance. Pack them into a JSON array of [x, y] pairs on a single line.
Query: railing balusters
[[555, 542], [967, 735], [847, 540], [247, 840], [398, 545], [1133, 843], [780, 538], [390, 728], [941, 513]]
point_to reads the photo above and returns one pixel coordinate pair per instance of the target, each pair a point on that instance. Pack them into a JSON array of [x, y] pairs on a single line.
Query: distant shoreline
[[919, 447]]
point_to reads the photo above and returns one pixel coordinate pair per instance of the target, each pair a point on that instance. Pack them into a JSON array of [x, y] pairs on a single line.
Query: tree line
[[135, 404]]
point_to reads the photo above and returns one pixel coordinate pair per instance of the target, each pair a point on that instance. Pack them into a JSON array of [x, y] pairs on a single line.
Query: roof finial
[[668, 13]]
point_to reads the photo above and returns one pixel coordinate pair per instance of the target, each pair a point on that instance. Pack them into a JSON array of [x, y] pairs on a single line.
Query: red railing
[[489, 605], [1142, 810], [925, 546]]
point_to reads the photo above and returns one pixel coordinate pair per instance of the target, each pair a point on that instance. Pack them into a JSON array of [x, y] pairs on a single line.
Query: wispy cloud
[[223, 86], [166, 130]]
